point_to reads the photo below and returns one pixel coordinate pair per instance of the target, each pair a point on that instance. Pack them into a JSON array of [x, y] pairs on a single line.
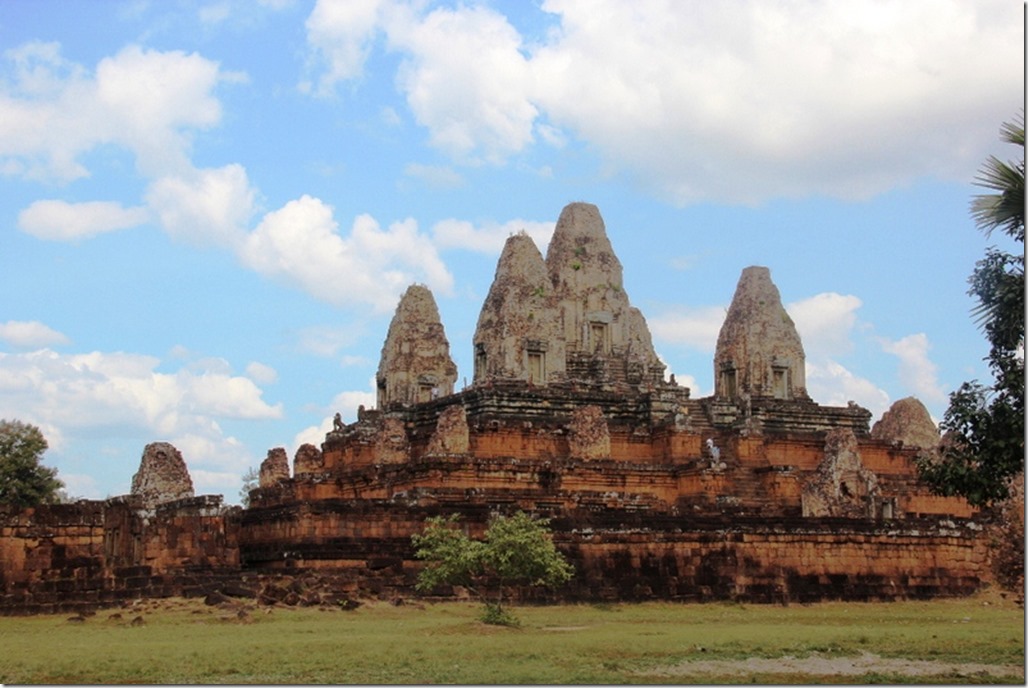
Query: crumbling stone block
[[567, 318], [391, 443], [162, 475], [841, 486], [451, 435], [588, 434], [308, 459], [275, 468]]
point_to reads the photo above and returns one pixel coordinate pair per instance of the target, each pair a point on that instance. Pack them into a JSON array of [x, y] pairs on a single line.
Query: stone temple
[[755, 493]]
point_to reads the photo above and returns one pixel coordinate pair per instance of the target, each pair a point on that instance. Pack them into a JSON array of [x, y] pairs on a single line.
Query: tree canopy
[[24, 480], [516, 550], [983, 445]]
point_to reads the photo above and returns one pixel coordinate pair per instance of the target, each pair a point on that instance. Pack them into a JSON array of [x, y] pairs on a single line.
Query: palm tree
[[984, 425]]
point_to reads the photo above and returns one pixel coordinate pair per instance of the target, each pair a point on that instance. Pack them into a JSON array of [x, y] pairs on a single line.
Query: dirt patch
[[816, 665]]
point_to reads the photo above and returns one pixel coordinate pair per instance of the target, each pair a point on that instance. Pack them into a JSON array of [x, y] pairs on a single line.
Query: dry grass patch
[[974, 640]]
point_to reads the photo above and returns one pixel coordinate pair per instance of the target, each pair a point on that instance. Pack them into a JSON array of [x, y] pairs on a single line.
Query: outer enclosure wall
[[75, 557]]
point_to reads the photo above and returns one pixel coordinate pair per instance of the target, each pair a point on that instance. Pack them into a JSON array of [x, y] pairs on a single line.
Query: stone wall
[[623, 555], [780, 561], [77, 557]]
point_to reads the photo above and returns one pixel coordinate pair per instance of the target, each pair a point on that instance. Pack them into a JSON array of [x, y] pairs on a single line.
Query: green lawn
[[183, 641]]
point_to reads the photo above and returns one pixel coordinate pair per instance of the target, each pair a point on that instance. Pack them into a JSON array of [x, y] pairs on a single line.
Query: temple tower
[[518, 336], [415, 364], [607, 340], [759, 353]]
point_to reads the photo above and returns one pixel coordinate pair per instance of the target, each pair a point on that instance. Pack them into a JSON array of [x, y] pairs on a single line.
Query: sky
[[209, 210]]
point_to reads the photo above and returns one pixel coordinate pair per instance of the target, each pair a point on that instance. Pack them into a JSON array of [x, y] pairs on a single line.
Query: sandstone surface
[[518, 336], [909, 422], [841, 487], [162, 476], [415, 365], [275, 468], [759, 352], [308, 459], [591, 298], [451, 435], [588, 434]]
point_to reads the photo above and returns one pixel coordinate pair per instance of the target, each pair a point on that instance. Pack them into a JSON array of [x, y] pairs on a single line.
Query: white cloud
[[80, 486], [340, 32], [825, 323], [685, 380], [669, 91], [261, 374], [204, 207], [63, 221], [314, 434], [153, 99], [325, 340], [122, 398], [467, 81], [301, 243], [696, 328], [26, 334], [48, 115], [53, 111], [489, 237], [831, 384], [916, 371], [225, 483], [216, 463], [215, 13], [463, 72], [89, 392], [741, 101]]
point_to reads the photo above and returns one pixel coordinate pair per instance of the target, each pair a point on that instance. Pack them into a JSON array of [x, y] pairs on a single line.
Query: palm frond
[[1003, 210]]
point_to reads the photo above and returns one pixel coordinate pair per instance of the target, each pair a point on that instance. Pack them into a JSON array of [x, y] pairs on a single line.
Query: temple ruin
[[754, 493]]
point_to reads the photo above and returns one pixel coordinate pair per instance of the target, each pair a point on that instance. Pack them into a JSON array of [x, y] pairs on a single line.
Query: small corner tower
[[415, 364], [759, 352]]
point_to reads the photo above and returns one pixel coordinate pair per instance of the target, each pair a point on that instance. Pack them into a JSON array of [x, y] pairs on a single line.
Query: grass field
[[974, 640]]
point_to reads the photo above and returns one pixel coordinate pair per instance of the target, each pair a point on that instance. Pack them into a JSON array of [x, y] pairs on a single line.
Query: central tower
[[565, 319]]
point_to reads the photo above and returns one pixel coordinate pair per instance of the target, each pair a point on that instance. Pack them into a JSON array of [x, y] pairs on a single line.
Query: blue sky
[[208, 210]]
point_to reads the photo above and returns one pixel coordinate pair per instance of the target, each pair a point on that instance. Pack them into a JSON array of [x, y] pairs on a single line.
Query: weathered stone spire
[[162, 475], [518, 334], [599, 323], [759, 352], [415, 364], [909, 422]]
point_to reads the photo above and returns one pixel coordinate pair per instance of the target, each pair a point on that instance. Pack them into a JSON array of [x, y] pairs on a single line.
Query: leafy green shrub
[[516, 550]]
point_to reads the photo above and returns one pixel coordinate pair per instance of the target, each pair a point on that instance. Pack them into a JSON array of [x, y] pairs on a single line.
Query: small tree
[[251, 481], [24, 480], [516, 550]]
